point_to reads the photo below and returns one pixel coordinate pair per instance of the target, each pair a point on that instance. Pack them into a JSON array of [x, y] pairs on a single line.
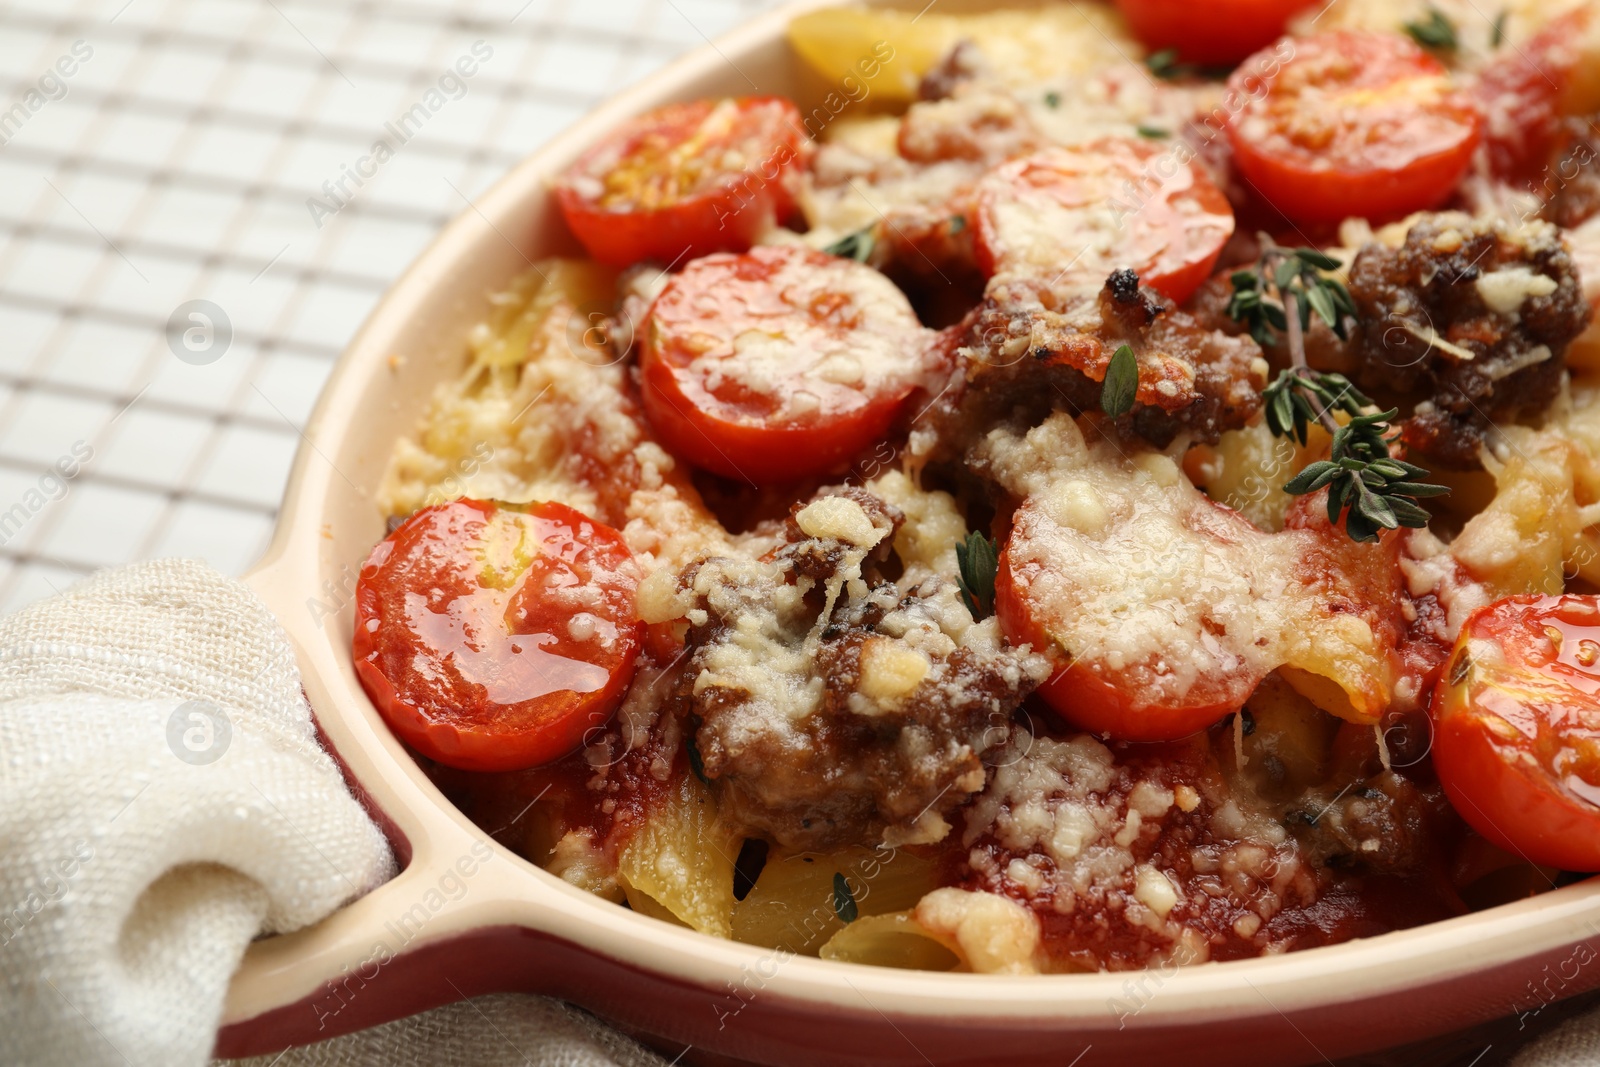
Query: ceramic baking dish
[[465, 916]]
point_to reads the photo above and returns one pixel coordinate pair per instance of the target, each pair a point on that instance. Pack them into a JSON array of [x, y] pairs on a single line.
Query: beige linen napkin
[[163, 801], [1575, 1043]]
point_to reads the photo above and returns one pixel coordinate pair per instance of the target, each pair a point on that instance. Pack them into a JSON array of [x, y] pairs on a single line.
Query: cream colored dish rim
[[321, 537]]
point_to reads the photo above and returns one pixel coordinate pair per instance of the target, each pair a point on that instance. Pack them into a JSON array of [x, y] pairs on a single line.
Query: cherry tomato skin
[[1042, 214], [839, 352], [758, 455], [1222, 31], [1521, 90], [1086, 700], [494, 637], [1354, 123], [662, 187], [1517, 728]]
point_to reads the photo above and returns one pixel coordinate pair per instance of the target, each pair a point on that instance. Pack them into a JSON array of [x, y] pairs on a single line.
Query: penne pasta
[[892, 940], [679, 864], [1050, 41], [792, 905]]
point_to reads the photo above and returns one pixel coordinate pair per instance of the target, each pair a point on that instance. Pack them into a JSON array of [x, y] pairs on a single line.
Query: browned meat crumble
[[1473, 318], [1021, 358], [833, 704], [1571, 179]]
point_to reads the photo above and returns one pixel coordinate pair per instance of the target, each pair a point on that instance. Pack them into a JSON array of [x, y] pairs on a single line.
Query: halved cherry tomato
[[1219, 31], [1063, 544], [1354, 123], [1091, 700], [1165, 610], [1522, 92], [779, 363], [687, 180], [1072, 216], [493, 636], [1517, 728]]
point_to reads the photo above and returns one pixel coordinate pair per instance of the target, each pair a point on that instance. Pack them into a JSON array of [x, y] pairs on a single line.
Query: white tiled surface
[[176, 166]]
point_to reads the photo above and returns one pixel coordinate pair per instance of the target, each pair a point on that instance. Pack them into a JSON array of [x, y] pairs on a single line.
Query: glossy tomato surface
[[1220, 31], [1354, 123], [492, 636], [1517, 728], [1069, 217], [687, 180], [779, 363]]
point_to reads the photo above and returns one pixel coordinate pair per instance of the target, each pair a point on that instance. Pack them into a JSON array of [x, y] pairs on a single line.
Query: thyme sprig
[[1294, 401], [1370, 488], [1366, 485], [1285, 279]]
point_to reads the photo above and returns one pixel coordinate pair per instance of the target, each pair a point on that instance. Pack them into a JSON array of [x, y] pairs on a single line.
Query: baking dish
[[466, 916]]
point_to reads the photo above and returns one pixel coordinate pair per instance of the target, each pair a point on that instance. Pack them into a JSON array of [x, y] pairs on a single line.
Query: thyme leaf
[[844, 900], [857, 246], [1164, 64], [1121, 383], [978, 559], [1435, 31]]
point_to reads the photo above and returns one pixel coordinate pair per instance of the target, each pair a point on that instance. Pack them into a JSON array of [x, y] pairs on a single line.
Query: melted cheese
[[1473, 21], [839, 518], [1131, 570], [924, 165], [538, 405], [1504, 291], [933, 527], [760, 656], [995, 935]]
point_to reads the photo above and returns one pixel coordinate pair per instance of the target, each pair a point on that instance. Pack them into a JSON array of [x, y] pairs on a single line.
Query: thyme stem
[[1297, 356], [1369, 490]]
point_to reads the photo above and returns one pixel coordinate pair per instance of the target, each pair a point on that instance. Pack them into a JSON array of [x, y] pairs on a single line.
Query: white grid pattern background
[[175, 164]]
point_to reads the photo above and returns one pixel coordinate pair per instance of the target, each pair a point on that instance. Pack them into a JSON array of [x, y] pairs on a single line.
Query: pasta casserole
[[1097, 487]]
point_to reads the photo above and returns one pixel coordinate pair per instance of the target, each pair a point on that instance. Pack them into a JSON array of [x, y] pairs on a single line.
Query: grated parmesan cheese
[[1505, 290], [1135, 574]]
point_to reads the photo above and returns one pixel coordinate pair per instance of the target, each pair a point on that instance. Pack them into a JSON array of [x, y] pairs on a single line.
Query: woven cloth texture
[[163, 800]]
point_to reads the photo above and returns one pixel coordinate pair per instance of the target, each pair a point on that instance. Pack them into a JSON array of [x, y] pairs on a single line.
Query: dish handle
[[358, 967]]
